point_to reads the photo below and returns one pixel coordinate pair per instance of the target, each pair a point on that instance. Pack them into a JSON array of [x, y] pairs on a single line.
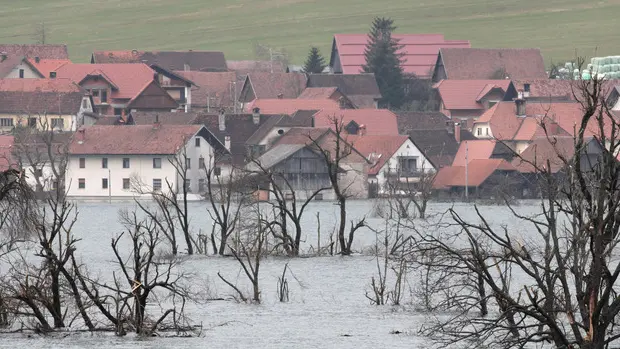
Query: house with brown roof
[[19, 67], [520, 122], [290, 106], [43, 51], [213, 61], [544, 90], [44, 104], [118, 89], [271, 86], [359, 121], [298, 156], [247, 67], [419, 52], [361, 89], [135, 161], [486, 63], [393, 159], [466, 100], [212, 91]]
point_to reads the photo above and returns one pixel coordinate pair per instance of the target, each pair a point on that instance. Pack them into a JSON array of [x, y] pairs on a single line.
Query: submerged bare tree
[[337, 153], [557, 285]]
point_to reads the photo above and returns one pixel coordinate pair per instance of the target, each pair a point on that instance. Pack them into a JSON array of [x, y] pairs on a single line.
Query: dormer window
[[352, 128]]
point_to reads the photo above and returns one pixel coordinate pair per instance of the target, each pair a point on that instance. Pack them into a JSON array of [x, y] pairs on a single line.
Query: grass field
[[558, 27]]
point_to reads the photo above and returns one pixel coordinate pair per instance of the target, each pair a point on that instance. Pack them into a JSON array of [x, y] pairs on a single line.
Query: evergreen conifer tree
[[383, 59], [315, 63]]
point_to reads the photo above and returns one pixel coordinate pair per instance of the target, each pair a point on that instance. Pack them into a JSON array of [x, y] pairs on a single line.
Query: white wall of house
[[28, 73], [407, 149], [482, 130], [140, 172]]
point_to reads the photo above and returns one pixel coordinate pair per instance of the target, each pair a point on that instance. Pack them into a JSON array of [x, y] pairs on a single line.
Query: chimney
[[280, 96], [186, 67], [520, 103], [256, 115], [156, 124], [526, 90], [457, 132], [52, 75], [222, 120], [227, 142], [362, 130], [81, 134], [37, 59]]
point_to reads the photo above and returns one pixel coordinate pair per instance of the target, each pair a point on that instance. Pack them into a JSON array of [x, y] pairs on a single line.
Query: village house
[[212, 91], [466, 100], [298, 157], [435, 135], [135, 161], [360, 89], [271, 86], [43, 104], [213, 61], [290, 106], [332, 93], [43, 51], [419, 52], [358, 121], [487, 63], [394, 161], [118, 89]]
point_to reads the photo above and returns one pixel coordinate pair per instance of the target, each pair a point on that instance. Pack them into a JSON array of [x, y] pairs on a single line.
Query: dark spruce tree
[[315, 63], [383, 59]]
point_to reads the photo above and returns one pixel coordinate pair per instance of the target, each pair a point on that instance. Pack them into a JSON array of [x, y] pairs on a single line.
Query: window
[[104, 96], [408, 165], [125, 162], [479, 132], [487, 130], [84, 103], [95, 93], [118, 111], [188, 163], [126, 183], [188, 186], [104, 183], [58, 123], [32, 122], [82, 162], [21, 73], [197, 141], [201, 163], [104, 163], [81, 183], [201, 185], [217, 171], [156, 162], [6, 122], [156, 184]]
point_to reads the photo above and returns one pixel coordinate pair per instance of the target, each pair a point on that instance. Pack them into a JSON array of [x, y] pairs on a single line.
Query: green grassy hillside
[[559, 27]]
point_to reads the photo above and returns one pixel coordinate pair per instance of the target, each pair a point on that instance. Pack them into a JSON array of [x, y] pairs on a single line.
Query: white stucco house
[[136, 160], [391, 157]]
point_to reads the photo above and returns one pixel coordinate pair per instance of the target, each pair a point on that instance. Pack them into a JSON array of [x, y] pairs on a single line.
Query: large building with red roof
[[419, 52], [468, 99], [119, 88]]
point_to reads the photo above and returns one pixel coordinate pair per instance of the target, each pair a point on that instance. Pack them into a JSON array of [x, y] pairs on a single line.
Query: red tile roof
[[473, 150], [377, 149], [131, 140], [376, 121], [419, 51], [290, 106], [545, 151], [474, 175], [270, 85], [38, 96], [46, 51], [466, 94], [170, 60], [505, 123], [130, 78], [45, 66], [318, 92], [482, 63], [547, 87], [211, 89], [532, 128]]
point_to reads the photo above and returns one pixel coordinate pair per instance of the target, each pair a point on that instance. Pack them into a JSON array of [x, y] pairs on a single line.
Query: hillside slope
[[234, 26]]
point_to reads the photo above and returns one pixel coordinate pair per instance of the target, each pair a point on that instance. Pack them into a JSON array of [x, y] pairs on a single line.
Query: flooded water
[[328, 307]]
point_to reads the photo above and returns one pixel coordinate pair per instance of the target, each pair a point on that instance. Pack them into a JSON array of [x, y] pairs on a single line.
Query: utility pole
[[466, 171]]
